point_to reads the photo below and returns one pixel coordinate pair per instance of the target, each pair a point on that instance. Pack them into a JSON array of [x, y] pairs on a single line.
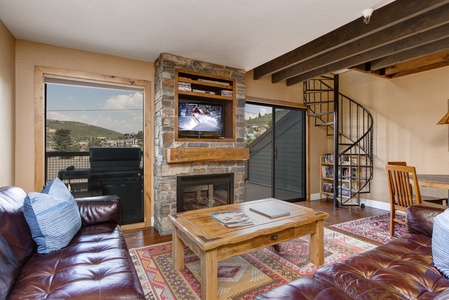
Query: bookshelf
[[351, 176]]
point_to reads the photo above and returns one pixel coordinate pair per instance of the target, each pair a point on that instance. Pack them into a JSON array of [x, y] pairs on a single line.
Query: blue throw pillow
[[440, 242], [53, 216]]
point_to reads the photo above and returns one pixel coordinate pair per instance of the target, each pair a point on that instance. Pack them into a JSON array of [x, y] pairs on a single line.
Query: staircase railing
[[354, 158]]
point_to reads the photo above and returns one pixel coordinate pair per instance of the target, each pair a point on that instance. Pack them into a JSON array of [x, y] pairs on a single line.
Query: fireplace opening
[[202, 191]]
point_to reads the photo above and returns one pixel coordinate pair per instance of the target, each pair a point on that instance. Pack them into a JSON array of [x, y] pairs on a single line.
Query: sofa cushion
[[95, 265], [440, 242], [14, 228], [9, 267], [381, 271], [53, 216]]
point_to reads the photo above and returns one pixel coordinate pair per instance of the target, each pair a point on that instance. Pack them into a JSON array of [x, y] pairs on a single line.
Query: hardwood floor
[[145, 237]]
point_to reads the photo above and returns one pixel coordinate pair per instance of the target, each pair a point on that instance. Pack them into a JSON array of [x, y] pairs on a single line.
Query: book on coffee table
[[232, 219], [270, 211]]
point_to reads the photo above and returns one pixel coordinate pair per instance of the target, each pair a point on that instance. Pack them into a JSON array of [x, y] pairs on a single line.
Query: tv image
[[200, 120]]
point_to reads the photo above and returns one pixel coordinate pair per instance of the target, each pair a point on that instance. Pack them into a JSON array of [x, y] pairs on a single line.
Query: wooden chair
[[401, 191], [435, 200]]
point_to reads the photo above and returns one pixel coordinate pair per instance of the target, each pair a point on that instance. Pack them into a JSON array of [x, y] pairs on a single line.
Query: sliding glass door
[[289, 154], [276, 139]]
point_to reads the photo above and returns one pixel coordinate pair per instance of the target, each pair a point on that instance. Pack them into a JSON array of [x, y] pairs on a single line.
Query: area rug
[[372, 229], [239, 277]]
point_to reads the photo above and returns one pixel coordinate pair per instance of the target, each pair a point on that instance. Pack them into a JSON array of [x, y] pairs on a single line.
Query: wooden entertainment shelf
[[216, 93]]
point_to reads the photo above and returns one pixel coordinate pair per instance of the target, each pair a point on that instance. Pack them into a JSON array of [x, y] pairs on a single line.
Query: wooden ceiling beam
[[424, 50], [414, 42], [386, 16], [420, 69], [417, 25], [418, 63]]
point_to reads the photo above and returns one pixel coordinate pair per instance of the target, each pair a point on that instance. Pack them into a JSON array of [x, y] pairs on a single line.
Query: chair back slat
[[401, 190]]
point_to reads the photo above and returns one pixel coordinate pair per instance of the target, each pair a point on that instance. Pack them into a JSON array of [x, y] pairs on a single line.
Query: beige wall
[[7, 85], [29, 55], [405, 111], [263, 88]]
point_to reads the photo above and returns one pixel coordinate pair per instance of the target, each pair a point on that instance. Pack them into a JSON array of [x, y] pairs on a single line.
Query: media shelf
[[205, 107]]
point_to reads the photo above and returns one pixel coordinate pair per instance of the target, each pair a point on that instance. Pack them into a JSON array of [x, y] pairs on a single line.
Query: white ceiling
[[237, 33]]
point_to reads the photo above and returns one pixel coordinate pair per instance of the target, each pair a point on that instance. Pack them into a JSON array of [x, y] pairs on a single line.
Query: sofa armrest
[[100, 209], [420, 218]]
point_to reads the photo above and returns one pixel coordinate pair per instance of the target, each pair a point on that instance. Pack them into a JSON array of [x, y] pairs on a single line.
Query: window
[[81, 118], [44, 77]]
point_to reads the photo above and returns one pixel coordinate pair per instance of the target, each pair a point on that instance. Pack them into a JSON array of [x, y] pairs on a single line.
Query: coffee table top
[[208, 233]]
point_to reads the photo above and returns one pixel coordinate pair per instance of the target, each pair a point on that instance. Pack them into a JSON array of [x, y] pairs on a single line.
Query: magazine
[[232, 219]]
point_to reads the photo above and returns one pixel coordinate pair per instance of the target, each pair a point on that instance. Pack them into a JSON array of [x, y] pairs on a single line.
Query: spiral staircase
[[351, 126]]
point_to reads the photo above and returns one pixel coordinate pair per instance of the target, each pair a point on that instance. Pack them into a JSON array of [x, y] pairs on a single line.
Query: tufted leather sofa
[[95, 265], [400, 269]]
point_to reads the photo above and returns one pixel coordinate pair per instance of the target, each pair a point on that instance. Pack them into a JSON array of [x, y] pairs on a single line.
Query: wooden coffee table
[[212, 241]]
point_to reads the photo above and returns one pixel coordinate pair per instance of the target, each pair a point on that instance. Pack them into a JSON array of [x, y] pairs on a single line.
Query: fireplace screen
[[201, 191]]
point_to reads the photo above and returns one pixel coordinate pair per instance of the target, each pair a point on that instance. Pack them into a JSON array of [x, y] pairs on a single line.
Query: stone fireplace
[[166, 171]]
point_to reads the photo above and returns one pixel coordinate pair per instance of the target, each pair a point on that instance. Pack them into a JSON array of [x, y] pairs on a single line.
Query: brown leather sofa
[[400, 269], [95, 265]]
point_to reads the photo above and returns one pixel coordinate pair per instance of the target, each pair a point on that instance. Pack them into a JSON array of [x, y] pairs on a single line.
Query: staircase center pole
[[336, 133]]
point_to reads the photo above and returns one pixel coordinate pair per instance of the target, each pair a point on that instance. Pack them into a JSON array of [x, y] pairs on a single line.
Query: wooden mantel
[[183, 155]]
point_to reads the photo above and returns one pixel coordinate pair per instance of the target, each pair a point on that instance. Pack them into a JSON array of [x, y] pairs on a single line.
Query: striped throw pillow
[[53, 216], [440, 242]]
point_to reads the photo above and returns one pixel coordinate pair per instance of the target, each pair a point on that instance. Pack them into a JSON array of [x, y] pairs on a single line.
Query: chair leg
[[392, 217]]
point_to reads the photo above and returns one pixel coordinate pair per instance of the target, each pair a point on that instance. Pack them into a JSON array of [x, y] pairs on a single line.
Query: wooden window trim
[[39, 127]]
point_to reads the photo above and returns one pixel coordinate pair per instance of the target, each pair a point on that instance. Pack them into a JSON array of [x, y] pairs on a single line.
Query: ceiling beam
[[424, 50], [417, 25], [411, 43], [386, 16], [418, 63], [443, 63]]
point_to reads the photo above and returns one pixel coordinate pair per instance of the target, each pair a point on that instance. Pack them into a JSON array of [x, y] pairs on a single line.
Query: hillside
[[82, 131], [265, 119]]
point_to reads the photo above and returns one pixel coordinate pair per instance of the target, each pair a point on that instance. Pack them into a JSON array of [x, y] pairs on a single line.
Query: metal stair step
[[319, 102], [312, 91], [325, 124], [323, 113]]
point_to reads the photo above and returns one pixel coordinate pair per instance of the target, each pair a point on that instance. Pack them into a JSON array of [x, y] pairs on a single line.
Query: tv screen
[[201, 120]]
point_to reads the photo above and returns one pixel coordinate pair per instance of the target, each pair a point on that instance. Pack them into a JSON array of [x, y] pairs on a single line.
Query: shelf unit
[[207, 89], [352, 177]]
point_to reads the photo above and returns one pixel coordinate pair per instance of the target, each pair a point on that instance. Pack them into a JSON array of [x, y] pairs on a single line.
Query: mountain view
[[81, 131]]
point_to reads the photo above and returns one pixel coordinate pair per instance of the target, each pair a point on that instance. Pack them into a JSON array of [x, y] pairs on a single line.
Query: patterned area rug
[[372, 229], [239, 277]]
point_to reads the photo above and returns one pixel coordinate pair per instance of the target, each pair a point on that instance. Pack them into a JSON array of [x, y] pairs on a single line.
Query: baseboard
[[315, 196], [367, 202], [376, 204]]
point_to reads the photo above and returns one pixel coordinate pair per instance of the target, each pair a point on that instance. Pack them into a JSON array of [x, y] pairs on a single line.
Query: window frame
[[40, 73]]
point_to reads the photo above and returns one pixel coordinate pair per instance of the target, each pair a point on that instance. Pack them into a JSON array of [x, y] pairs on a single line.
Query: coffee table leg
[[317, 244], [209, 275], [177, 250]]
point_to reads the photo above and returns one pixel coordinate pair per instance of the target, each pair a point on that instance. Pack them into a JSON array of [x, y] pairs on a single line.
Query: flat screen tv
[[200, 120]]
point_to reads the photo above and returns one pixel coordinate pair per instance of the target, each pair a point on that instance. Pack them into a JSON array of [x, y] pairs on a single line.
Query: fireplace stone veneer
[[165, 174]]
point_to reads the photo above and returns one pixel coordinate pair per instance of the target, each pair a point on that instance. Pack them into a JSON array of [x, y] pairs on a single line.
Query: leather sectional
[[95, 265], [400, 269]]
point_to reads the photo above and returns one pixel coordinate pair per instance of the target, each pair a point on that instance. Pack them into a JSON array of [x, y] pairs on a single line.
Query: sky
[[117, 110], [252, 111]]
